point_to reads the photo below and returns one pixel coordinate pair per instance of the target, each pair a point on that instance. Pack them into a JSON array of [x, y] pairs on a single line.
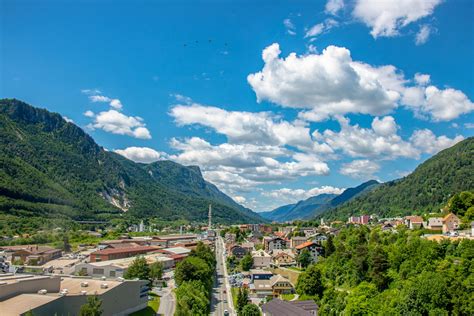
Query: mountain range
[[316, 205], [427, 189], [51, 168]]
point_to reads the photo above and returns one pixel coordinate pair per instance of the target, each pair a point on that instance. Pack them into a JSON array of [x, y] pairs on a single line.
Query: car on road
[[226, 312]]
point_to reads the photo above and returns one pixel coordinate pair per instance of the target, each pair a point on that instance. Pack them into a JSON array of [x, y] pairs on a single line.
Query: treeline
[[194, 277], [370, 272]]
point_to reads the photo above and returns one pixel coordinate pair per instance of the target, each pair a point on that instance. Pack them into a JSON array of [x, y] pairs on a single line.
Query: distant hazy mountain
[[300, 210], [348, 195], [317, 204], [52, 168], [426, 189]]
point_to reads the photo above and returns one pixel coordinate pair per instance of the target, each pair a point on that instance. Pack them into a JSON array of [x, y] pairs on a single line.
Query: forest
[[370, 272]]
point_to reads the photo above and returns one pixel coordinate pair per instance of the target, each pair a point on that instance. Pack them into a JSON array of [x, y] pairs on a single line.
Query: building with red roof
[[119, 253]]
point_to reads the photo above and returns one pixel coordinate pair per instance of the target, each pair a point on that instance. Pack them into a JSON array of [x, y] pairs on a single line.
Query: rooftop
[[110, 251], [125, 262], [24, 302], [304, 245], [277, 307]]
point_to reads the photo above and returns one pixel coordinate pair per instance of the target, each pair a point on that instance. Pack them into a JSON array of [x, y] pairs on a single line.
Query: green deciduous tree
[[156, 271], [191, 299], [310, 282], [304, 259], [251, 310], [139, 269], [194, 269], [93, 307], [246, 262]]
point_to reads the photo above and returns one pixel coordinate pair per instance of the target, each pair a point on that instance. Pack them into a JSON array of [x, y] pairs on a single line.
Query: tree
[[242, 299], [139, 269], [310, 282], [246, 262], [194, 269], [156, 271], [205, 253], [304, 259], [378, 263], [251, 310], [93, 307], [191, 299], [329, 247]]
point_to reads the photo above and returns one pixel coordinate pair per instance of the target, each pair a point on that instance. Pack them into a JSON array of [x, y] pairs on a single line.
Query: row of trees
[[375, 272], [194, 277]]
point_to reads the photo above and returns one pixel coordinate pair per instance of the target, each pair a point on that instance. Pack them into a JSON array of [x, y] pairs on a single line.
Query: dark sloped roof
[[277, 307]]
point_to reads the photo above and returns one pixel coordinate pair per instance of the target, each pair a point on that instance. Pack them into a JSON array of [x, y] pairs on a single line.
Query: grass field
[[287, 297], [152, 307]]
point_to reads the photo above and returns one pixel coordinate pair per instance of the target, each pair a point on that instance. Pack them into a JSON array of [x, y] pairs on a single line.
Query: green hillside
[[52, 168], [426, 189]]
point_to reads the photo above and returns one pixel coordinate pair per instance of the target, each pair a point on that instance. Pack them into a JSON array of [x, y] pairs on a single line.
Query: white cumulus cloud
[[141, 154], [423, 35], [428, 142], [115, 122], [286, 195], [360, 169], [334, 6], [386, 18], [332, 83]]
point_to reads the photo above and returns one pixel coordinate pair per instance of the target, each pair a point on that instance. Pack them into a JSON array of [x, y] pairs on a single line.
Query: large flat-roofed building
[[31, 254], [116, 268], [119, 253], [51, 295], [170, 240]]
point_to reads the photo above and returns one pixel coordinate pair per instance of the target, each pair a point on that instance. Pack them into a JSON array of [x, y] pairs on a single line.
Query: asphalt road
[[167, 300], [221, 301]]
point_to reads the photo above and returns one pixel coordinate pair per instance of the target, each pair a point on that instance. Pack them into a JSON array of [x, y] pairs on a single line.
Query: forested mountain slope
[[426, 189], [52, 168]]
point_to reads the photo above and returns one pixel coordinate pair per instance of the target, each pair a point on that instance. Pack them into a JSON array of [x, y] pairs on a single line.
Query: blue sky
[[276, 102]]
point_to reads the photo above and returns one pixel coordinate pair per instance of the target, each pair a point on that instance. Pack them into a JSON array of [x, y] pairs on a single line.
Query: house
[[248, 246], [230, 238], [271, 243], [296, 241], [283, 257], [414, 222], [238, 251], [319, 238], [308, 231], [119, 253], [261, 259], [266, 229], [364, 219], [32, 254], [450, 223], [472, 229], [435, 223], [275, 286], [314, 249], [277, 307], [387, 227]]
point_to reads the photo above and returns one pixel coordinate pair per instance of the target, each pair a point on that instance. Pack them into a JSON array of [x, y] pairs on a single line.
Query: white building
[[261, 259], [116, 268]]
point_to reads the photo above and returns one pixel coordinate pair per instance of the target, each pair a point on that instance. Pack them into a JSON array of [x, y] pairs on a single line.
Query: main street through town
[[221, 293]]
